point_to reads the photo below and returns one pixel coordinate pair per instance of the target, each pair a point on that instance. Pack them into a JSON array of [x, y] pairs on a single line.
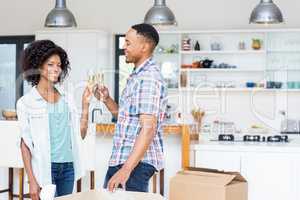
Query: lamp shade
[[266, 12], [60, 16], [160, 14]]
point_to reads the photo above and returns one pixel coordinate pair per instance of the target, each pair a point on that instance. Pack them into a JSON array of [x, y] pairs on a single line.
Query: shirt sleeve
[[23, 119], [149, 92]]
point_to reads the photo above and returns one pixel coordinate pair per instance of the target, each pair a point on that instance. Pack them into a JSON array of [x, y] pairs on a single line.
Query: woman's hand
[[34, 190], [86, 96]]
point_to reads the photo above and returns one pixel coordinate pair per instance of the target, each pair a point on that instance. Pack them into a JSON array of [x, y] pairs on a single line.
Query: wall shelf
[[223, 52], [219, 70], [236, 90], [278, 48]]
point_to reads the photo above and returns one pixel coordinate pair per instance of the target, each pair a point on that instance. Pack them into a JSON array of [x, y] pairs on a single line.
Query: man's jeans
[[139, 177]]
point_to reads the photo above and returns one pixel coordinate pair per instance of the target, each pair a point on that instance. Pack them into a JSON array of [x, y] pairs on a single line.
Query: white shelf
[[236, 90], [166, 54], [219, 70], [284, 70], [223, 52], [283, 51], [173, 89]]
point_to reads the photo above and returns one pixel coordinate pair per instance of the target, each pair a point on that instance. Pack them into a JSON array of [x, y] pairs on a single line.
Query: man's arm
[[112, 106], [143, 141]]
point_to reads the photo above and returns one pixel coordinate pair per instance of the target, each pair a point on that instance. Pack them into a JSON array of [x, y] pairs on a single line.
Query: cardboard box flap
[[206, 177], [238, 176]]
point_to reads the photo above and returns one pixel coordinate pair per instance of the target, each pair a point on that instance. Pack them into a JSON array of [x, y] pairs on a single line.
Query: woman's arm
[[84, 119], [34, 188]]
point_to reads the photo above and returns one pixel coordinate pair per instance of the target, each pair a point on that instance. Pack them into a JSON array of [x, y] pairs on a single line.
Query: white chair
[[10, 156]]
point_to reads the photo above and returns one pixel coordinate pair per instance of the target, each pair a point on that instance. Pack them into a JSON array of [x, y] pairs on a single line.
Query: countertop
[[293, 146], [169, 129]]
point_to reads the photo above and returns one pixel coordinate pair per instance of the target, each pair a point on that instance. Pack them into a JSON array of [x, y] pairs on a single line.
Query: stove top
[[253, 138]]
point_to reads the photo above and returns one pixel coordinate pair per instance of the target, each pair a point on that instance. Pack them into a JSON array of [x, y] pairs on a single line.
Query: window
[[123, 69], [11, 81]]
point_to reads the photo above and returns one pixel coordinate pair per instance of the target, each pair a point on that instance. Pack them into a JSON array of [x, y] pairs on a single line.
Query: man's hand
[[34, 190], [102, 93], [120, 178]]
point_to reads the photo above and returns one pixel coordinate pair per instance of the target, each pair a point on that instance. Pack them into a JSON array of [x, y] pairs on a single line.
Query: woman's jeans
[[63, 178]]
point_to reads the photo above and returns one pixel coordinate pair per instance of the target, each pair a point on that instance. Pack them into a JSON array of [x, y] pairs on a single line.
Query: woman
[[50, 125]]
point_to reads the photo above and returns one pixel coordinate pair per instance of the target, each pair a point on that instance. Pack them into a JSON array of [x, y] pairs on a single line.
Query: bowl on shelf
[[250, 84], [277, 85], [185, 66], [291, 84], [9, 114], [270, 84]]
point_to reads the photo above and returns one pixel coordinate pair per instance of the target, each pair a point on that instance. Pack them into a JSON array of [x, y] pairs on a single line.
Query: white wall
[[24, 17]]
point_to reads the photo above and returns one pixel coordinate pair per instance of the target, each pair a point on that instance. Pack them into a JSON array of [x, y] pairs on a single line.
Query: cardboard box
[[105, 195], [208, 184]]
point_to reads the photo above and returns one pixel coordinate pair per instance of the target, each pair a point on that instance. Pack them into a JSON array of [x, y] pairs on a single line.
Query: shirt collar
[[141, 67], [37, 96]]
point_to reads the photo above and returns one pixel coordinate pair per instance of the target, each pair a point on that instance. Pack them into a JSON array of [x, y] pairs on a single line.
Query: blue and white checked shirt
[[145, 93]]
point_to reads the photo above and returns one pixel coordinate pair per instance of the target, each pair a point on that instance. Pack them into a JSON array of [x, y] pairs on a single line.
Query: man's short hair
[[147, 31]]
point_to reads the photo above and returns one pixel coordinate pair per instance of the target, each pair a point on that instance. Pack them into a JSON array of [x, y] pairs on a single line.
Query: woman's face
[[51, 69]]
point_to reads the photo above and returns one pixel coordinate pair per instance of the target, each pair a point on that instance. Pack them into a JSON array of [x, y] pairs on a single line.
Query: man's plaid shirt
[[145, 93]]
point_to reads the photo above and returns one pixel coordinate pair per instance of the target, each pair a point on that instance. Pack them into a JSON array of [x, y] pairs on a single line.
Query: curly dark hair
[[36, 54]]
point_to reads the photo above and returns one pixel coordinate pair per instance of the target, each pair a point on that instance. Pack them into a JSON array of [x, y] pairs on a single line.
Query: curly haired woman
[[50, 124]]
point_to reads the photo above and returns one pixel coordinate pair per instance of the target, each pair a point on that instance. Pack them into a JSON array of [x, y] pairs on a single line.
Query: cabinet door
[[57, 37], [227, 161], [269, 176]]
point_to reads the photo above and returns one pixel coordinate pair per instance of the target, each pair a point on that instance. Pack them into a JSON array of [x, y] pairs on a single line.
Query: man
[[137, 145]]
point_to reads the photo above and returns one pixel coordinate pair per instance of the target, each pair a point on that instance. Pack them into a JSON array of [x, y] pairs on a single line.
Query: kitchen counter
[[271, 169], [169, 129], [293, 146]]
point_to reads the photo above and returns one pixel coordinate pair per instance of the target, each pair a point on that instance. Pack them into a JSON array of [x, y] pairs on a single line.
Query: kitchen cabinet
[[271, 170], [269, 176], [227, 161]]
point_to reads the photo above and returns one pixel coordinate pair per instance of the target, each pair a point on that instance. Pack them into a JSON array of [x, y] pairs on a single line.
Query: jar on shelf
[[256, 44], [242, 45], [186, 44]]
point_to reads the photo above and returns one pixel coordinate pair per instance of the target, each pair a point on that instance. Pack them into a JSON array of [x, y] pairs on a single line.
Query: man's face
[[134, 46]]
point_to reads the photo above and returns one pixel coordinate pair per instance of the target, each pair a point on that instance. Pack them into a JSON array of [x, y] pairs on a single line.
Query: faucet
[[93, 113]]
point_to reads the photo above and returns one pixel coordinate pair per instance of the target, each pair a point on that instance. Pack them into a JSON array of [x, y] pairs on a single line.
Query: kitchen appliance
[[252, 138], [290, 126]]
